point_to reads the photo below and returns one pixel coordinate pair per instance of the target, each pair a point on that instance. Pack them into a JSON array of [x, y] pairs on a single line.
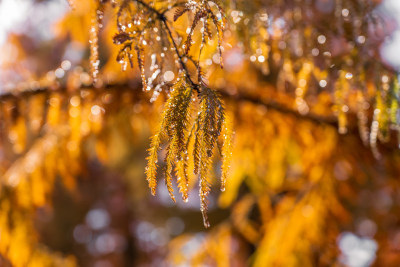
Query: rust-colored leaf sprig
[[173, 127], [205, 133], [203, 12]]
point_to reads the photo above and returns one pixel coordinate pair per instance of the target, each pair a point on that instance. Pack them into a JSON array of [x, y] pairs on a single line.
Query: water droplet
[[321, 39], [349, 76], [169, 76], [361, 39], [323, 83]]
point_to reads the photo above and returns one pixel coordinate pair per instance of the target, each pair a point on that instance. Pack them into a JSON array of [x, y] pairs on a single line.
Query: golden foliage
[[287, 80], [290, 185], [63, 130]]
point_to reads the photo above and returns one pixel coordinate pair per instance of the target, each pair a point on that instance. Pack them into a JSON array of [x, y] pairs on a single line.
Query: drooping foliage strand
[[226, 150], [174, 128], [210, 120]]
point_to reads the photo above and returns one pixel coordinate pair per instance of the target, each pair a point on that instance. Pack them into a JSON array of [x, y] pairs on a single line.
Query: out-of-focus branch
[[238, 97], [274, 105]]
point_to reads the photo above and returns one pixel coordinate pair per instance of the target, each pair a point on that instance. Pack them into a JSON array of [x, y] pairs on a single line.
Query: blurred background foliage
[[314, 103]]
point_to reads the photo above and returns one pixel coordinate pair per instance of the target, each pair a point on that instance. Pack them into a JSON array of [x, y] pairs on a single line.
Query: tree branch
[[274, 105], [240, 97]]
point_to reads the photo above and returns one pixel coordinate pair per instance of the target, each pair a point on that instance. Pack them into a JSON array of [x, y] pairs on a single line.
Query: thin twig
[[164, 20]]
